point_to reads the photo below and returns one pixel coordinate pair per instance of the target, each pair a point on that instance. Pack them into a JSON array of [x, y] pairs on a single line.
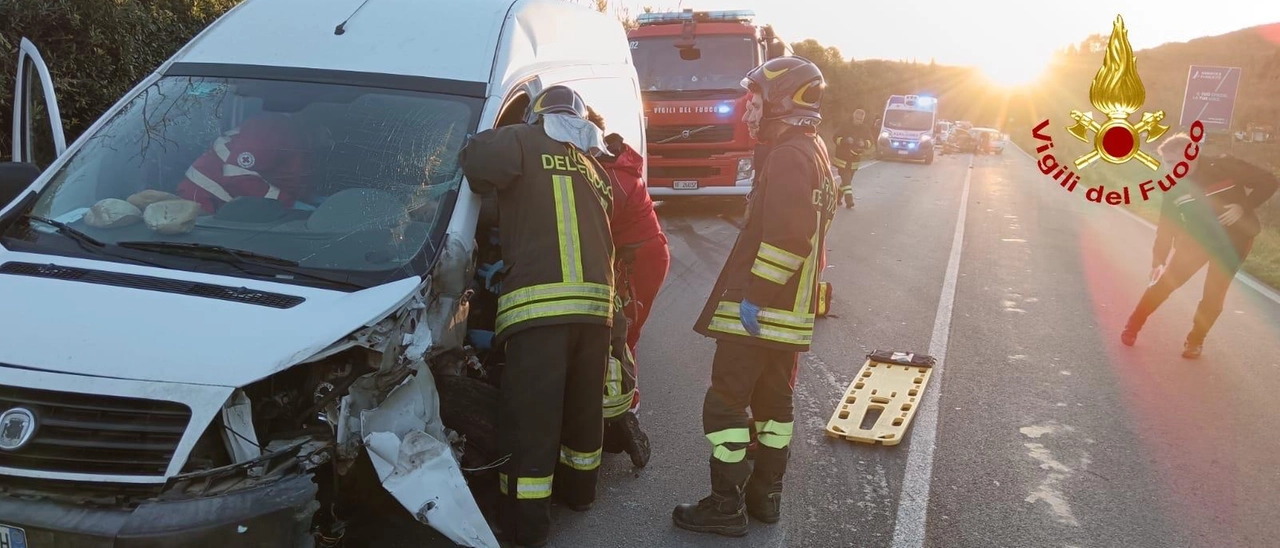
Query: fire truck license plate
[[12, 537], [685, 185]]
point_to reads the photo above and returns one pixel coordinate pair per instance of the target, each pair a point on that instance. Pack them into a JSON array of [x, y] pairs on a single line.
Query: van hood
[[87, 328]]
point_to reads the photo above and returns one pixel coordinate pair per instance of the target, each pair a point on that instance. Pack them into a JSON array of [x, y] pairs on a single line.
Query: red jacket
[[634, 220], [264, 157]]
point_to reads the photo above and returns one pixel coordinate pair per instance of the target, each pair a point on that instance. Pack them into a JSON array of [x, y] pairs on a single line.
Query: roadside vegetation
[[98, 49]]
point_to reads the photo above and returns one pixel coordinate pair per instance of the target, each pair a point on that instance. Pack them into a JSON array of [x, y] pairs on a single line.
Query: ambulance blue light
[[724, 109]]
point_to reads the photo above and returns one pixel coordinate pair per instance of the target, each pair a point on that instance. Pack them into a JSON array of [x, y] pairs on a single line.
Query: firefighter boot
[[764, 489], [722, 513], [635, 440]]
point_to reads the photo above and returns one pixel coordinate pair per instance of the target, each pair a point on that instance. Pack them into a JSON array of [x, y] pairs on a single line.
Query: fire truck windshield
[[911, 120], [724, 60]]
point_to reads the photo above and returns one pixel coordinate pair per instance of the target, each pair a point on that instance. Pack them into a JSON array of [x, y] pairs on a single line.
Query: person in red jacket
[[641, 247], [265, 157]]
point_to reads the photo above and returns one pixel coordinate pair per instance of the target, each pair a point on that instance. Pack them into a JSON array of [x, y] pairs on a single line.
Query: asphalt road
[[1038, 428]]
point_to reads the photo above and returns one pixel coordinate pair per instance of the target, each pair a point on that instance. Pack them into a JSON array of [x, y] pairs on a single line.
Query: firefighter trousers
[[1223, 261], [748, 376], [550, 423]]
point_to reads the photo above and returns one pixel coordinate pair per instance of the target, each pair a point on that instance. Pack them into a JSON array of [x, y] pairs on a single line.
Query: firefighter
[[851, 140], [265, 157], [556, 306], [640, 268], [762, 309]]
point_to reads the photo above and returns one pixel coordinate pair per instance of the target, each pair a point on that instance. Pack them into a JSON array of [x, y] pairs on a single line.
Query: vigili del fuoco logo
[[1117, 92]]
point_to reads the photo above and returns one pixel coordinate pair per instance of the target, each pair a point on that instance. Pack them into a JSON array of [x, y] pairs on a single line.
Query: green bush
[[96, 49]]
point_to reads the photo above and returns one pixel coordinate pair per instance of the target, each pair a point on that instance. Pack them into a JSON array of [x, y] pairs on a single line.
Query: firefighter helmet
[[791, 88], [556, 100]]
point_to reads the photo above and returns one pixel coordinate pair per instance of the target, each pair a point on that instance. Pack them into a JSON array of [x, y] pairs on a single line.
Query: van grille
[[94, 434], [713, 134]]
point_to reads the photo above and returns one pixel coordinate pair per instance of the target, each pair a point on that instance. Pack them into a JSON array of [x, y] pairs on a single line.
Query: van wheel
[[928, 158], [470, 407]]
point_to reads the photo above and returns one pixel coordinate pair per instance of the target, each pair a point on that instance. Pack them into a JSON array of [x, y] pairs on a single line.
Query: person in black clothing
[[852, 138], [556, 307], [1208, 218]]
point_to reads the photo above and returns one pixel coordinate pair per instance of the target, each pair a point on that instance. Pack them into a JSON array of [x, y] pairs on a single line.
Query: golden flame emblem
[[1117, 91]]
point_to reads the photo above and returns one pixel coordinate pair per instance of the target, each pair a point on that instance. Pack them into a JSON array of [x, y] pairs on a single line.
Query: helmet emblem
[[246, 160]]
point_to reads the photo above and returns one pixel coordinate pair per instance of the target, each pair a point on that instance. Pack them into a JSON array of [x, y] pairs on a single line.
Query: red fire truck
[[691, 65]]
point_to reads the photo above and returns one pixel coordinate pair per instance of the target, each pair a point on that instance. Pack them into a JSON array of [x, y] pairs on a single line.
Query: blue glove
[[487, 272], [747, 314]]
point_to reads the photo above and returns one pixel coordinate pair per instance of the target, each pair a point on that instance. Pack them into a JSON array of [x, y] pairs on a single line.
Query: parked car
[[994, 140], [174, 376]]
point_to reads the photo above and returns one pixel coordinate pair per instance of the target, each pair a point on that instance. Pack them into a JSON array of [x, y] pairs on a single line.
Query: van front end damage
[[266, 464]]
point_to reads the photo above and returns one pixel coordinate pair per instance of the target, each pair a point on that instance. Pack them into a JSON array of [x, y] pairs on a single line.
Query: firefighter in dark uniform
[[851, 140], [556, 308], [762, 308]]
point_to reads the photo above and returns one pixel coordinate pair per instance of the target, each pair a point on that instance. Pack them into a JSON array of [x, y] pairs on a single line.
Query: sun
[[1004, 73], [1011, 71]]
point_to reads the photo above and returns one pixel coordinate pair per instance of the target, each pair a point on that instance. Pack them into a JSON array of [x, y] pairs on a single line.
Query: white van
[[176, 376]]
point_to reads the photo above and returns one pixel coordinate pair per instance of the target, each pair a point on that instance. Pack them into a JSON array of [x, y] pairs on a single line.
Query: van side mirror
[[15, 177]]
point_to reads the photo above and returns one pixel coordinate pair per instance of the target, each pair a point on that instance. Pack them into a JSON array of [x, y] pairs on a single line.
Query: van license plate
[[12, 537], [902, 152], [684, 185]]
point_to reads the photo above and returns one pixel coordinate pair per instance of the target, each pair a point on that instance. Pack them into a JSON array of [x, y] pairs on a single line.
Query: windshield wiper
[[66, 230], [234, 257]]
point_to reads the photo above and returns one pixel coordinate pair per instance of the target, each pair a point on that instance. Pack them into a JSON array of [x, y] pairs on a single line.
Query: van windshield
[[354, 181], [911, 120], [724, 60]]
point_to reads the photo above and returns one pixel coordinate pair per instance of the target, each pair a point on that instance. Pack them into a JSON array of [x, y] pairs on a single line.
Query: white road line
[[1242, 276], [913, 503]]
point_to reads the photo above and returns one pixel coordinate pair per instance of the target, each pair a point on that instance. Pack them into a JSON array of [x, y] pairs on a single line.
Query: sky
[[1009, 37]]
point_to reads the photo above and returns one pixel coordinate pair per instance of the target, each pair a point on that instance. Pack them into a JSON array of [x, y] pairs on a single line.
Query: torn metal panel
[[414, 405], [237, 431], [422, 474]]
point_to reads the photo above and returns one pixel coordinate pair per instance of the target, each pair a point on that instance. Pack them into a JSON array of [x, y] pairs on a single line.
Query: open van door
[[31, 69], [17, 174]]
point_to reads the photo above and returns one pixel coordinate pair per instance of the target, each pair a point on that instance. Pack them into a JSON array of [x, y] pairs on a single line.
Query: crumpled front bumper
[[278, 515]]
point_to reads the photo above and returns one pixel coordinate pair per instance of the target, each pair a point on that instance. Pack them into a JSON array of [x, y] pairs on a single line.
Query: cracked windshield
[[639, 274], [330, 177]]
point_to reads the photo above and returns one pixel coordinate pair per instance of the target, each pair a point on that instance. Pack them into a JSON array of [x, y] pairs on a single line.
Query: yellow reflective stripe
[[527, 488], [774, 434], [549, 309], [722, 438], [781, 318], [839, 163], [771, 272], [730, 435], [804, 292], [731, 456], [567, 225], [780, 256], [769, 333], [615, 406], [578, 460], [615, 402], [552, 291]]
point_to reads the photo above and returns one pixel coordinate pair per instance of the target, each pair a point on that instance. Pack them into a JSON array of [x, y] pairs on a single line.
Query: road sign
[[1210, 96]]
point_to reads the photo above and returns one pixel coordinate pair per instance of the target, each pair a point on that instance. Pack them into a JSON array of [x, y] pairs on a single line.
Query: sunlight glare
[[1014, 70]]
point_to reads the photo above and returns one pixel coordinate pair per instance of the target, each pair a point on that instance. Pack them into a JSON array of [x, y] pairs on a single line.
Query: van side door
[[34, 99]]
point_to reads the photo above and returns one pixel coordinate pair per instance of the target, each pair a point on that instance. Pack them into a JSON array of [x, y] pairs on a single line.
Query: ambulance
[[907, 131]]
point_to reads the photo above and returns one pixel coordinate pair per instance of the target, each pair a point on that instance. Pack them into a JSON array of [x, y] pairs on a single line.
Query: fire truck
[[691, 65]]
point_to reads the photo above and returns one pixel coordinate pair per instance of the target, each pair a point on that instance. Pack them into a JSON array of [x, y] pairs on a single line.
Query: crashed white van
[[178, 375]]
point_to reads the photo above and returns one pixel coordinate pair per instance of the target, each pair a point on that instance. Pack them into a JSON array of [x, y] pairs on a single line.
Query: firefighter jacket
[[1191, 208], [554, 203], [263, 158], [776, 260], [850, 140]]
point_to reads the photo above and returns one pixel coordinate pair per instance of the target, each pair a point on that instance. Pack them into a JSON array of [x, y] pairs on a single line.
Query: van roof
[[443, 39]]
